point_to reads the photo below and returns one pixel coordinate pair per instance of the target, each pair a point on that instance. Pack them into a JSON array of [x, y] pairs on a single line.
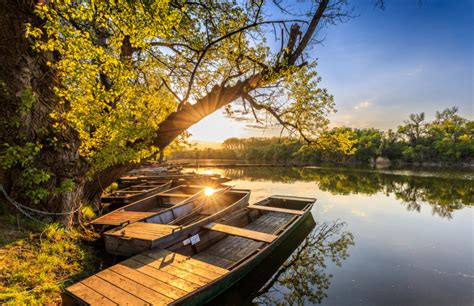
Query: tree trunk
[[27, 99]]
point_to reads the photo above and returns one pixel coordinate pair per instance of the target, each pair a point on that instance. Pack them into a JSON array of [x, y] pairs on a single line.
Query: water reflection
[[445, 194], [296, 272]]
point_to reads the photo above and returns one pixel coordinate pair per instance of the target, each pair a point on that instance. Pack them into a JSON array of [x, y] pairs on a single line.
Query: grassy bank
[[38, 260]]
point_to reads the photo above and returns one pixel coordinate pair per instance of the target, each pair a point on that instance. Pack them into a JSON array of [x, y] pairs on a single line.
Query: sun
[[209, 191]]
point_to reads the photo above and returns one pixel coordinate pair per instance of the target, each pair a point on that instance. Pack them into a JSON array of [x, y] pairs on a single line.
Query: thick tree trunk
[[25, 75]]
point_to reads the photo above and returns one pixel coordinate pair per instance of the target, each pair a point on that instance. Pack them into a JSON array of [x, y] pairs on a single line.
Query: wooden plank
[[241, 232], [134, 287], [233, 248], [163, 288], [173, 280], [276, 209], [214, 260], [180, 195], [143, 230], [184, 263], [193, 261], [164, 266], [112, 292], [88, 295], [119, 217]]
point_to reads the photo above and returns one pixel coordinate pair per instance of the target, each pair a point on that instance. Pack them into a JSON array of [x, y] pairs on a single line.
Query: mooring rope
[[23, 208]]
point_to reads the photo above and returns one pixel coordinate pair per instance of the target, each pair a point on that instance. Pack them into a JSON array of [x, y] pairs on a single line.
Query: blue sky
[[414, 56]]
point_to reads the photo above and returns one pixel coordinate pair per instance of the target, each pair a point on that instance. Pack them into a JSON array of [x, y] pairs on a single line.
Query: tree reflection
[[444, 194], [303, 277]]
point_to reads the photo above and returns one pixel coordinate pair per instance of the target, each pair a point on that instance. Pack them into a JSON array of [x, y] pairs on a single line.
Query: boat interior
[[200, 208], [165, 199], [243, 233]]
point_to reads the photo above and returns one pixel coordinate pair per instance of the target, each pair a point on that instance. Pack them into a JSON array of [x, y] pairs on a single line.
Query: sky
[[414, 56]]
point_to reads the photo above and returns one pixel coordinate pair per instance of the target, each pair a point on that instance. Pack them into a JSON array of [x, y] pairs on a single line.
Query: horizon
[[383, 66]]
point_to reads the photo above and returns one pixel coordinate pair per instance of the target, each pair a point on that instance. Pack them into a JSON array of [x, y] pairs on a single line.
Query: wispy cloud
[[361, 105]]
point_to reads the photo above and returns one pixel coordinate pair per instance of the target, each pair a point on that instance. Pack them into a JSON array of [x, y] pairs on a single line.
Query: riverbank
[[37, 260]]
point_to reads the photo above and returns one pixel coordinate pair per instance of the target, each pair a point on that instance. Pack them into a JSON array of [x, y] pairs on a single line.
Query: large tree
[[91, 88]]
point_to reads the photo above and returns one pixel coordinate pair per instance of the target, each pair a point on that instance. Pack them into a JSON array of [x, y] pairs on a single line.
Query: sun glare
[[209, 191]]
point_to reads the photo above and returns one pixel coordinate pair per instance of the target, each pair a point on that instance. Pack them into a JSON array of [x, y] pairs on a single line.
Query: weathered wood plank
[[164, 266], [112, 292], [184, 263], [241, 232], [168, 291], [88, 295], [193, 261], [276, 209], [173, 280], [119, 217], [134, 287], [177, 195], [214, 260]]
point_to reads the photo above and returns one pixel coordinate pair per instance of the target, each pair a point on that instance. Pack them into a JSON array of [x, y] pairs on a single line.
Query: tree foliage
[[108, 84]]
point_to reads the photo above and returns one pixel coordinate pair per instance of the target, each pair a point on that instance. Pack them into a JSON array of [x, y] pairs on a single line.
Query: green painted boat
[[286, 212]]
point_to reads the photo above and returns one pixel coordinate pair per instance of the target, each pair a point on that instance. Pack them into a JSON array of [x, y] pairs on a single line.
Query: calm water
[[379, 238]]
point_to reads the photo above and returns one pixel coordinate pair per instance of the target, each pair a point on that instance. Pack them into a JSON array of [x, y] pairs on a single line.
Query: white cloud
[[361, 105]]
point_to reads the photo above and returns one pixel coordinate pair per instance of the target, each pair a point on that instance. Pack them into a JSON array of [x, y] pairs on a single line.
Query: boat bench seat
[[277, 209], [241, 232], [175, 195]]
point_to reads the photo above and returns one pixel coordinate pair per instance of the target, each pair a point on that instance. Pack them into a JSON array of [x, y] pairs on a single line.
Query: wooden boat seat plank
[[88, 295], [241, 232], [119, 217], [176, 282], [277, 209], [178, 195], [143, 230], [133, 287]]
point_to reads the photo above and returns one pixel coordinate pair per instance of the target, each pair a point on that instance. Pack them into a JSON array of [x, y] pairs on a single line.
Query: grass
[[38, 260]]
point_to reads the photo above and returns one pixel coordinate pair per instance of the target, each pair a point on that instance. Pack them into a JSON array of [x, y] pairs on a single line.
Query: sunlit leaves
[[111, 99]]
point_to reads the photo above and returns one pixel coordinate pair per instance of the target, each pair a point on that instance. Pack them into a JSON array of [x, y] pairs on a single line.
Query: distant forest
[[448, 139]]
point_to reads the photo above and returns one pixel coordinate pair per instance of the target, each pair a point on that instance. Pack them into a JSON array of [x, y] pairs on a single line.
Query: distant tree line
[[448, 138]]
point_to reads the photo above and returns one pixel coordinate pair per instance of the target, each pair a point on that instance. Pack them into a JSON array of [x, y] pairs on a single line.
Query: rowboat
[[137, 237], [149, 206], [133, 193], [194, 266], [194, 179]]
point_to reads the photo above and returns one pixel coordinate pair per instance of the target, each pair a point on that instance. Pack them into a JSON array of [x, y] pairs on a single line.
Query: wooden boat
[[195, 179], [140, 236], [133, 193], [149, 206], [194, 266]]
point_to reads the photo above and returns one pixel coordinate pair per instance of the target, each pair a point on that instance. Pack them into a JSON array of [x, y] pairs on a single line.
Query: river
[[389, 237]]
